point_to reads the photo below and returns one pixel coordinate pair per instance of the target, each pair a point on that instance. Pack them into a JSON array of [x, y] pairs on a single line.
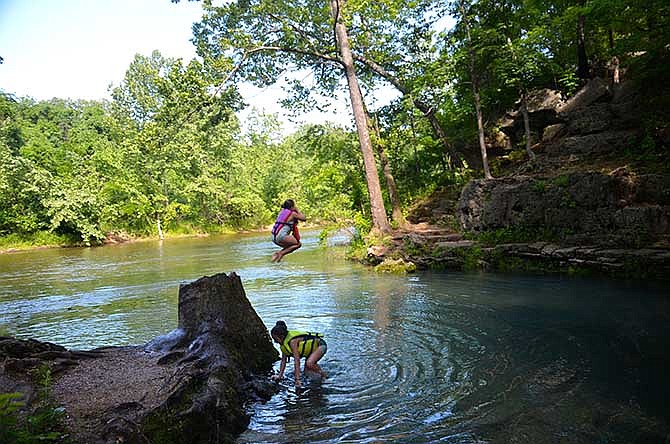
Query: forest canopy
[[168, 153]]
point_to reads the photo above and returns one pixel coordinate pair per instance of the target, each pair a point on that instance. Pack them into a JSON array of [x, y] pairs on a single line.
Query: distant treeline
[[81, 170]]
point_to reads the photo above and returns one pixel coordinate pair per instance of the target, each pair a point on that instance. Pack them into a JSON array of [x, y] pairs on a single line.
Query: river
[[437, 356]]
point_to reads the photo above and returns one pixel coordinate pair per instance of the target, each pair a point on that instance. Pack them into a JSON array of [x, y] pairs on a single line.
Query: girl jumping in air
[[285, 230]]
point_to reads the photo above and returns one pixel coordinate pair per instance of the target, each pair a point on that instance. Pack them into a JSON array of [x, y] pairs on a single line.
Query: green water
[[431, 357]]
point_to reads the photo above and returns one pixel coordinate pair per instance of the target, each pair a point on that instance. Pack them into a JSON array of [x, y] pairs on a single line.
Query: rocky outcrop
[[595, 120], [606, 220], [620, 208], [607, 209], [188, 386], [549, 257], [542, 108], [590, 197]]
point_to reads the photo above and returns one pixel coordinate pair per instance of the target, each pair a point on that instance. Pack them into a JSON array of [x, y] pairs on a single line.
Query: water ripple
[[433, 357]]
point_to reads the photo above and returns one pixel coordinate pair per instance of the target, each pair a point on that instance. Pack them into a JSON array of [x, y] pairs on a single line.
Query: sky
[[76, 48]]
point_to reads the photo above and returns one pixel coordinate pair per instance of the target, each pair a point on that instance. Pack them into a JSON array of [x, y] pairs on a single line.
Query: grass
[[16, 241]]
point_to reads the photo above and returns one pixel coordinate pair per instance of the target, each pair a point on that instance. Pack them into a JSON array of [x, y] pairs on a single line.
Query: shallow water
[[431, 357]]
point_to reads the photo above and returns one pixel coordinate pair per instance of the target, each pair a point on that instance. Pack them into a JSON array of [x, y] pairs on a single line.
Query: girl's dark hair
[[279, 330], [288, 204]]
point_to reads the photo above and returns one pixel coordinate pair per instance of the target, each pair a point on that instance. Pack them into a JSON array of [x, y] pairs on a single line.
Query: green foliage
[[472, 258], [323, 236], [647, 149], [358, 247], [169, 148], [39, 238], [40, 423], [10, 404], [395, 266], [415, 249], [164, 151], [561, 181], [540, 186]]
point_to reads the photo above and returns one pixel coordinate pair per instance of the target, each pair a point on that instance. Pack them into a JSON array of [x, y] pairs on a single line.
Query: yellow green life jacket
[[308, 343]]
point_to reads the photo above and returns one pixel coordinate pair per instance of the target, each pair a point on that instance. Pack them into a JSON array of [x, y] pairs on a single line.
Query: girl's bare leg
[[311, 362], [290, 244]]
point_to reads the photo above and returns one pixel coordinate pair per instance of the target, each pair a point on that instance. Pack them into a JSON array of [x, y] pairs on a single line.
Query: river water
[[431, 357]]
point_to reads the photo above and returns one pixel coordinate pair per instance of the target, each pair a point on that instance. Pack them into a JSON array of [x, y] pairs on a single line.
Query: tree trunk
[[396, 212], [417, 166], [526, 125], [475, 93], [455, 159], [480, 127], [158, 227], [379, 220], [582, 59]]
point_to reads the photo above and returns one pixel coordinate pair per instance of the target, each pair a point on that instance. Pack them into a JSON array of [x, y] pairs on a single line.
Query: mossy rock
[[396, 266]]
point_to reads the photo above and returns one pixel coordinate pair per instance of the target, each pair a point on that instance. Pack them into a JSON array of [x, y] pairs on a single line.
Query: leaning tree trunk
[[379, 220], [455, 158], [480, 126]]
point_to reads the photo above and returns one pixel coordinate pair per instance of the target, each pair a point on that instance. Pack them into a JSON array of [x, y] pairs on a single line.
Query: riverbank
[[44, 241], [11, 244], [189, 385], [441, 249]]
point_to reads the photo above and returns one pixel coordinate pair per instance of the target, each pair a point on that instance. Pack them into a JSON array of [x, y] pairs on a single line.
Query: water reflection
[[432, 357]]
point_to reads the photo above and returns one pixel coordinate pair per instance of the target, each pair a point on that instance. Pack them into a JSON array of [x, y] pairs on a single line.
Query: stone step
[[444, 236]]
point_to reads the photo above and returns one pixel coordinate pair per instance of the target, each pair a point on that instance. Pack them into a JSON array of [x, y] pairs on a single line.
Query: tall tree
[[379, 220], [396, 210], [583, 71], [474, 79], [259, 40], [169, 106]]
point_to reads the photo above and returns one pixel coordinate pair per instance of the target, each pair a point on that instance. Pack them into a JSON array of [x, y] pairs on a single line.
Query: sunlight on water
[[431, 357]]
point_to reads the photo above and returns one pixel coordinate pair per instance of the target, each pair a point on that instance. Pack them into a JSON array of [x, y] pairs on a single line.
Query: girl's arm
[[282, 366], [296, 214], [296, 360]]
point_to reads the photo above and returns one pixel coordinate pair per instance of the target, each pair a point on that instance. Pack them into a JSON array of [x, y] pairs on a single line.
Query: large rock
[[609, 142], [188, 386], [595, 90], [565, 195], [542, 111], [606, 208]]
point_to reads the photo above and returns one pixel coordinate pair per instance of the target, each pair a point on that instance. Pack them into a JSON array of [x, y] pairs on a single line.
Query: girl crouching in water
[[299, 344]]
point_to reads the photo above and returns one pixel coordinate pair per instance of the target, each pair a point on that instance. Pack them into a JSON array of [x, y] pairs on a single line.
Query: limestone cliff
[[597, 195]]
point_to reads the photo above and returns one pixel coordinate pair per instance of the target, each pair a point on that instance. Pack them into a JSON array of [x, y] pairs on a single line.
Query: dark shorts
[[322, 343]]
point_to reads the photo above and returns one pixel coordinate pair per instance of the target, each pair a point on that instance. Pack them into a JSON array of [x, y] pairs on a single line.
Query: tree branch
[[428, 111], [248, 53]]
